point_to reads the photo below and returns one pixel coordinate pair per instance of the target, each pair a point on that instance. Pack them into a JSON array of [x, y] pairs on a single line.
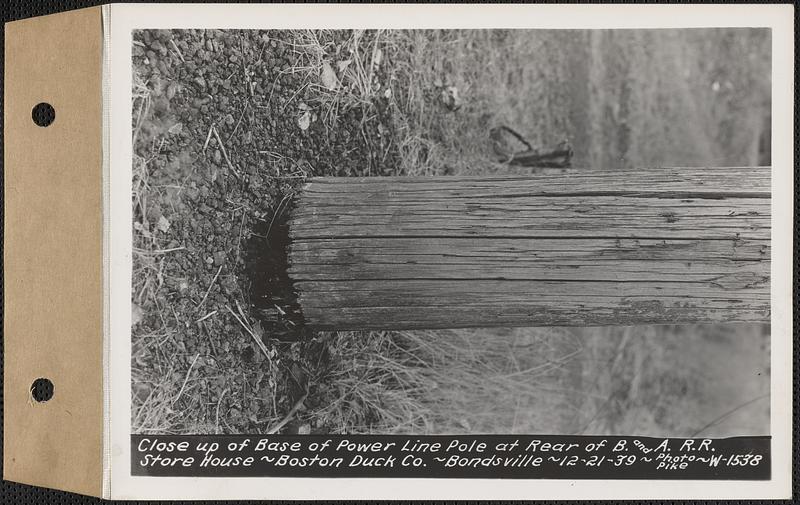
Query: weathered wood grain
[[576, 217], [596, 248]]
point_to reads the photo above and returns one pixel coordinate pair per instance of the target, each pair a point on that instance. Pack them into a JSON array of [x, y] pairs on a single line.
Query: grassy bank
[[286, 105]]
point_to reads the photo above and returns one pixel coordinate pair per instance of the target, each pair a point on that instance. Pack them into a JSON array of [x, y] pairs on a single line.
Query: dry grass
[[167, 396], [616, 98], [152, 369], [339, 71], [449, 381], [677, 380]]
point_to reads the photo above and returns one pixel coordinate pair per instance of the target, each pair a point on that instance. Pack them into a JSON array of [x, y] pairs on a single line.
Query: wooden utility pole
[[668, 245]]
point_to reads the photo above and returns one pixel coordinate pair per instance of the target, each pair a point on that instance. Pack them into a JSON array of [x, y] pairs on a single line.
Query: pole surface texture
[[668, 245]]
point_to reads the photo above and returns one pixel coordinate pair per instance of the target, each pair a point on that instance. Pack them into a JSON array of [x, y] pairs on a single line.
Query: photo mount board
[[53, 194], [56, 289]]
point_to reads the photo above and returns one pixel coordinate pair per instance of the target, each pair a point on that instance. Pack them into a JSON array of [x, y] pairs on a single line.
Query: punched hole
[[42, 390], [43, 114]]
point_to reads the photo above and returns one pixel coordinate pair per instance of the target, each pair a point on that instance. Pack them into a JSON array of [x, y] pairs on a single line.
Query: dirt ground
[[227, 123]]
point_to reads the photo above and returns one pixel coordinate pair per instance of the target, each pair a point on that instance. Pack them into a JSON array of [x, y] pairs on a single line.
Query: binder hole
[[43, 114], [42, 389]]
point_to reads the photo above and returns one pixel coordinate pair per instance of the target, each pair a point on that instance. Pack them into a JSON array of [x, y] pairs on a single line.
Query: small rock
[[219, 258], [158, 46], [137, 314], [328, 77], [304, 120], [171, 90], [163, 224], [217, 157], [451, 98], [142, 391], [342, 65], [377, 57]]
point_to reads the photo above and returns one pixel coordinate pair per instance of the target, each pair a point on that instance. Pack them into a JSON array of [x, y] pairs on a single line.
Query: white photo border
[[124, 18]]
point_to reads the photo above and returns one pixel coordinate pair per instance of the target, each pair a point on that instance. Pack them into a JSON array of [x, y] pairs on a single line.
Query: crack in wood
[[676, 245]]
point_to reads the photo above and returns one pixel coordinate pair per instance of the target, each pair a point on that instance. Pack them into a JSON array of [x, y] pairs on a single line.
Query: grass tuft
[[457, 381]]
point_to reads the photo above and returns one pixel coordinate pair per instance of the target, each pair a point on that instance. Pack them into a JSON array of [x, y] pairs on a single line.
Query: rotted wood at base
[[594, 248]]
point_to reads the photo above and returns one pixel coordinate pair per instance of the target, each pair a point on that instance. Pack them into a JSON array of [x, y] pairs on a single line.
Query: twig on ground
[[183, 183], [276, 214], [206, 316], [177, 50], [221, 396], [175, 315], [209, 288], [289, 416], [210, 340], [239, 241], [224, 152], [186, 379], [294, 95], [369, 157], [272, 89], [258, 341], [247, 81], [157, 251], [208, 137], [282, 177], [239, 122], [728, 414]]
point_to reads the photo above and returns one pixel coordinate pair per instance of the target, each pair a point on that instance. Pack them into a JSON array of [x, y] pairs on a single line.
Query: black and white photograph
[[399, 251], [452, 231]]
